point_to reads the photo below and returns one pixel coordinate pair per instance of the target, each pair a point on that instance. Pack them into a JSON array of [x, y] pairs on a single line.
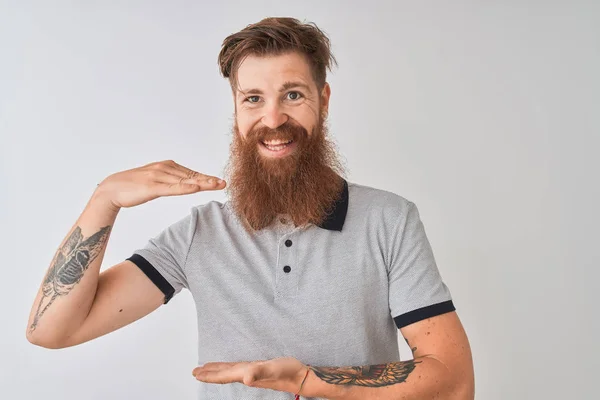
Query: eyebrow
[[286, 86]]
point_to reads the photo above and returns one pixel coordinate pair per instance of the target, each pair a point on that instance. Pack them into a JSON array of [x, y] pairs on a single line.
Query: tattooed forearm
[[68, 267], [368, 375]]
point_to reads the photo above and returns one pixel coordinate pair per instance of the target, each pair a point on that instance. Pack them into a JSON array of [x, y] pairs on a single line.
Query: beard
[[304, 184]]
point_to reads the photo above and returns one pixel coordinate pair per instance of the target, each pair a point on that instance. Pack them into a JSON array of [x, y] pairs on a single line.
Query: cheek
[[244, 124], [307, 118]]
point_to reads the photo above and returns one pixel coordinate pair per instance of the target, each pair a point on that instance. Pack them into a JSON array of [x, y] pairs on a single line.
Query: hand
[[140, 185], [283, 374]]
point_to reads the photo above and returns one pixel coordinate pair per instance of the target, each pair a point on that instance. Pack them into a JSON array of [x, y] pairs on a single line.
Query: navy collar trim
[[335, 220]]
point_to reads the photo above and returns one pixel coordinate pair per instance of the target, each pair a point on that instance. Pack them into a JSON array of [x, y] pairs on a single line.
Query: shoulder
[[199, 214], [212, 207], [370, 199], [215, 217], [210, 211]]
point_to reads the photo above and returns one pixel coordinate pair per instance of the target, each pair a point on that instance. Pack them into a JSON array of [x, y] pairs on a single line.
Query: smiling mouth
[[278, 146]]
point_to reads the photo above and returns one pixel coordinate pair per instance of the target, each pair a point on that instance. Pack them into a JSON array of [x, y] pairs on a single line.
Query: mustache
[[287, 131]]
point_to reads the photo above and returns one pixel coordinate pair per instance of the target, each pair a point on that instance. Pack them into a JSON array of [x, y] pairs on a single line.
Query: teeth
[[277, 142], [276, 148]]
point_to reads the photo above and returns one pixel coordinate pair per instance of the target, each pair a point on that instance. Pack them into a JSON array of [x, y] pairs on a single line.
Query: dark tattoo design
[[68, 267], [413, 349], [368, 375]]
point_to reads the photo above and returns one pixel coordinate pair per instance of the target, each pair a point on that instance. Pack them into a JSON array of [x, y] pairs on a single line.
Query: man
[[301, 280]]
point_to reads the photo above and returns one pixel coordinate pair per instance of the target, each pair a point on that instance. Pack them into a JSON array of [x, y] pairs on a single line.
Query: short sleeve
[[416, 289], [164, 257]]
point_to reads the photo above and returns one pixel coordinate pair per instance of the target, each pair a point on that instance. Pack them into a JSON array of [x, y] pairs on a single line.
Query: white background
[[485, 114]]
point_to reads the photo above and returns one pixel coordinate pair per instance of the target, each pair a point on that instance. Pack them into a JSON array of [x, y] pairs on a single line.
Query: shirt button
[[288, 243], [286, 269]]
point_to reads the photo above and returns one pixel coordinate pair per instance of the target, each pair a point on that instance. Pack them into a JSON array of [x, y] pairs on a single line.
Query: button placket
[[286, 274]]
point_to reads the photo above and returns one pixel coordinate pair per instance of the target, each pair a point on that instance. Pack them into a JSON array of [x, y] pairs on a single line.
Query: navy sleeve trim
[[154, 276], [423, 313]]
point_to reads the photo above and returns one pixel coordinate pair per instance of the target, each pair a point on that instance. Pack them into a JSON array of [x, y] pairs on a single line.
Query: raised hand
[[165, 178]]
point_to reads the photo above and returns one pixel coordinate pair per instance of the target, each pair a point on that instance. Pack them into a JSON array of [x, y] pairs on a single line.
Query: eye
[[252, 99], [294, 95]]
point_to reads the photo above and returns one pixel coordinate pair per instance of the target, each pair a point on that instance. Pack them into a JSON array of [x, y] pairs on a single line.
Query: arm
[[124, 295], [442, 368], [75, 303]]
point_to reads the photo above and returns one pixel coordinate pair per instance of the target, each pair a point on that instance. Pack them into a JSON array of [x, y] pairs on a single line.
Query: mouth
[[277, 148]]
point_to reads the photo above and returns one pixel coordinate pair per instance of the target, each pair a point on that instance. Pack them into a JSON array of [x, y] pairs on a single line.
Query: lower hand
[[284, 374]]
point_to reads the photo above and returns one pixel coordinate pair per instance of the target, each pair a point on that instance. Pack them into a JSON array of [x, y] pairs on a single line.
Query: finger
[[213, 366], [177, 186], [218, 366], [206, 182], [184, 171], [215, 377], [227, 374], [179, 170], [189, 186], [163, 176], [176, 189]]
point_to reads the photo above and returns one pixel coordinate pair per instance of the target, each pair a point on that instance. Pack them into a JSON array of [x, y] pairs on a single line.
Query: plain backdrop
[[483, 113]]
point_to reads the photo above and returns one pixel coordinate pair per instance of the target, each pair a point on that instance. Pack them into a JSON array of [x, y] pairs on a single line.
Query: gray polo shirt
[[328, 295]]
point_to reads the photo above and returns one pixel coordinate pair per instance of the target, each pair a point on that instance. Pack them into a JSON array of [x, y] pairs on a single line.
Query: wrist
[[316, 387], [302, 375], [101, 199]]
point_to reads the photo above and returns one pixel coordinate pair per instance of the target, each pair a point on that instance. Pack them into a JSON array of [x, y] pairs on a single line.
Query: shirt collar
[[335, 220]]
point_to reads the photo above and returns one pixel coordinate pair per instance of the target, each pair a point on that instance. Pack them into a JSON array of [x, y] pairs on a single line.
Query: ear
[[325, 95]]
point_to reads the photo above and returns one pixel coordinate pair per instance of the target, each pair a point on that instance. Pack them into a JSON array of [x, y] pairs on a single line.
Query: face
[[281, 160], [274, 93]]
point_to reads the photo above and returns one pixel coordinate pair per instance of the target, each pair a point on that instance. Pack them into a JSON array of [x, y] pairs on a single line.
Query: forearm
[[422, 378], [69, 286]]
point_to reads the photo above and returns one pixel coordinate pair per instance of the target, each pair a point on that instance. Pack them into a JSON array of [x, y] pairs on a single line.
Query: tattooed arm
[[68, 289], [442, 368], [76, 303]]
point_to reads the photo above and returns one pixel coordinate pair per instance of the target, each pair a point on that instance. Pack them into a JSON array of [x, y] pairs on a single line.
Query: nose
[[274, 117]]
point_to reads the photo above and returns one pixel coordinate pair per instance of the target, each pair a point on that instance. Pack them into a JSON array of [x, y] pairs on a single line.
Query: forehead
[[269, 73]]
